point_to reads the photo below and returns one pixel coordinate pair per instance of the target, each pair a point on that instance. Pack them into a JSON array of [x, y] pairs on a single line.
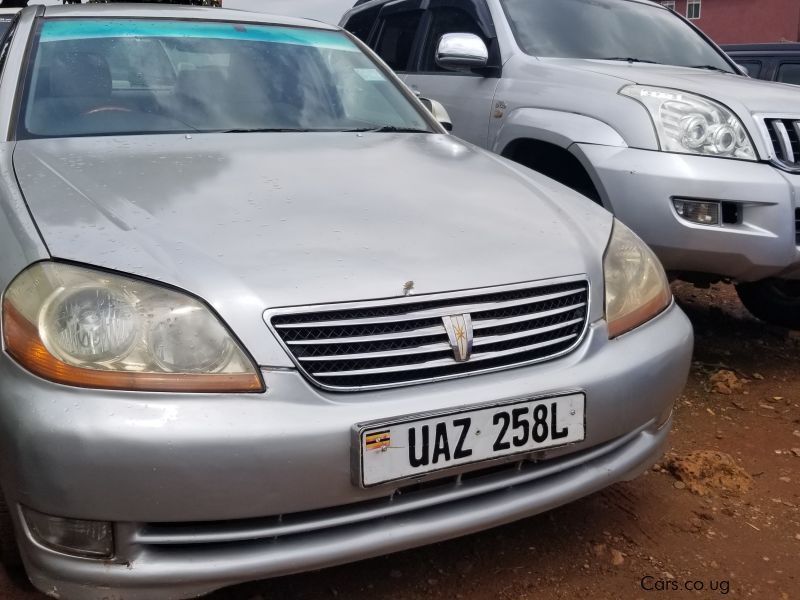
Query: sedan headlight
[[691, 124], [92, 329], [637, 288]]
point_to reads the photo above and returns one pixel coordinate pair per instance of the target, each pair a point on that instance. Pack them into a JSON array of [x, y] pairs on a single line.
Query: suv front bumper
[[638, 186], [208, 491]]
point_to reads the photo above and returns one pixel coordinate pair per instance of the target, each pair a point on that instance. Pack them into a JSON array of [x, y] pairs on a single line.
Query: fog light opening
[[698, 211], [76, 537], [731, 213]]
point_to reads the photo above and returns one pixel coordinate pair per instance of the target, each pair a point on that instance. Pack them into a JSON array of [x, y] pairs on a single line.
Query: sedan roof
[[143, 11]]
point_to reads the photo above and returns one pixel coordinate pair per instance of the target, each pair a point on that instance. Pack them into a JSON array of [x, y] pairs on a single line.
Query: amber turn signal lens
[[24, 345], [640, 315], [637, 288]]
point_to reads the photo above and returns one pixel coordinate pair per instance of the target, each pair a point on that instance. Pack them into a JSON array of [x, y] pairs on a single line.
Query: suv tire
[[775, 301]]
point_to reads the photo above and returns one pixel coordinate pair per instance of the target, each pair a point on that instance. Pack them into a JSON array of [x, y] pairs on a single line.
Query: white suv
[[630, 104]]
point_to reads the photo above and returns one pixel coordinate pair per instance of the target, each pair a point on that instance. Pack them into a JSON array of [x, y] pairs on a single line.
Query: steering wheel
[[101, 109]]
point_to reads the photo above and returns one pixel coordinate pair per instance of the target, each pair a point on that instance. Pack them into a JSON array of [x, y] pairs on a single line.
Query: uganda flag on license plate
[[378, 440]]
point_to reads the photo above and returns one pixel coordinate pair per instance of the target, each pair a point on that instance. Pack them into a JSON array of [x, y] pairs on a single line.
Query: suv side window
[[753, 67], [446, 20], [789, 73], [396, 39], [360, 24]]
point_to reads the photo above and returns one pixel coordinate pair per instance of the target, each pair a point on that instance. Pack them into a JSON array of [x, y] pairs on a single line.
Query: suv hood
[[755, 95], [256, 221]]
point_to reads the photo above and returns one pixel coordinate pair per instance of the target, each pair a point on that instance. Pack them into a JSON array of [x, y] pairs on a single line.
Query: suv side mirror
[[439, 112], [461, 52]]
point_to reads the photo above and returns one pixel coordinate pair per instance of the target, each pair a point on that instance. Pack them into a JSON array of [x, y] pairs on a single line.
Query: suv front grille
[[784, 135], [797, 225], [404, 341]]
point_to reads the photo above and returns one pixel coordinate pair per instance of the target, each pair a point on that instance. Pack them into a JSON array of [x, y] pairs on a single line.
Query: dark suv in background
[[773, 62]]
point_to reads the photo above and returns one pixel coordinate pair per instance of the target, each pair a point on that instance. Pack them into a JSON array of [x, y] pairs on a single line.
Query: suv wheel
[[775, 301]]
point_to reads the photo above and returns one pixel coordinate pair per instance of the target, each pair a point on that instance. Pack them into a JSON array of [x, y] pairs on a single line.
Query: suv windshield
[[128, 76], [610, 30]]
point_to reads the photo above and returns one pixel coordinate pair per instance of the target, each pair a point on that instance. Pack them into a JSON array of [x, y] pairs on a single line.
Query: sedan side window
[[447, 20], [396, 40], [789, 73]]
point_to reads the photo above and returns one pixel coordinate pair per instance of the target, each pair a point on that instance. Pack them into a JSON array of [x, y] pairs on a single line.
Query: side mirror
[[743, 69], [461, 52], [439, 113]]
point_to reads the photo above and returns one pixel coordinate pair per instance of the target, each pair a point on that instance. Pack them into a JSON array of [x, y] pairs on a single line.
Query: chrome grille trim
[[448, 361], [487, 323], [437, 330], [784, 142], [396, 342], [782, 136], [797, 226], [523, 334], [426, 314], [388, 353], [442, 347]]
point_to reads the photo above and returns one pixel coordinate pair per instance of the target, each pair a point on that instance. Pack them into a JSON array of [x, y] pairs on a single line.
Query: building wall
[[743, 21]]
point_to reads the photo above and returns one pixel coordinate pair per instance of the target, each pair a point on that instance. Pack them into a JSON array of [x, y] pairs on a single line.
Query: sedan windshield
[[127, 76], [609, 30]]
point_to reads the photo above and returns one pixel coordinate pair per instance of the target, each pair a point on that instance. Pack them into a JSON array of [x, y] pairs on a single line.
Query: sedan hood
[[256, 221], [755, 95]]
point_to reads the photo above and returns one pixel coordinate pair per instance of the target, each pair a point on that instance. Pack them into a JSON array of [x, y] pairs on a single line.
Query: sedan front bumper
[[208, 491]]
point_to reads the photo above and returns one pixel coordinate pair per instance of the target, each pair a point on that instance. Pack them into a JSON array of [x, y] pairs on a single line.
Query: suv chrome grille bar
[[797, 226], [784, 137], [404, 341], [784, 142]]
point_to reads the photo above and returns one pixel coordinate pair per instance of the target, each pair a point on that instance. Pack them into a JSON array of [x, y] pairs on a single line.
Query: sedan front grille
[[784, 136], [405, 341]]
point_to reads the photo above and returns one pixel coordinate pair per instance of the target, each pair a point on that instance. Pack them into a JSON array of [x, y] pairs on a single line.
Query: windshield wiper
[[387, 129], [710, 68], [263, 130], [383, 129], [631, 59]]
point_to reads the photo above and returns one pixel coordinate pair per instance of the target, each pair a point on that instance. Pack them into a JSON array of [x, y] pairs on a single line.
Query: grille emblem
[[459, 332]]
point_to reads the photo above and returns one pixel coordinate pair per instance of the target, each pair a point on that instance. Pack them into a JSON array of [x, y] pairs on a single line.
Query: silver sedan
[[261, 314]]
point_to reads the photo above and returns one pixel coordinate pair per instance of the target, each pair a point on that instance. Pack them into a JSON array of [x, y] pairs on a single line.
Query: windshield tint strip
[[82, 29]]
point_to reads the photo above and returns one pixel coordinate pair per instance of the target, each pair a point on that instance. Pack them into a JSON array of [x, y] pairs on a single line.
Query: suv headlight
[[691, 124], [637, 288], [88, 328]]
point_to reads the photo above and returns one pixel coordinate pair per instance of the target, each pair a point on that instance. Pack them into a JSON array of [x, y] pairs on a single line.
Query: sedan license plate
[[420, 444]]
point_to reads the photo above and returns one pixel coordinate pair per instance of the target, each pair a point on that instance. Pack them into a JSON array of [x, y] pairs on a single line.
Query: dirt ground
[[719, 516]]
